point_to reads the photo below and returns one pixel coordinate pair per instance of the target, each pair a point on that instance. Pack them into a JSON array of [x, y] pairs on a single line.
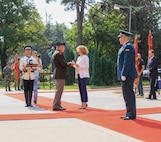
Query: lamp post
[[118, 7]]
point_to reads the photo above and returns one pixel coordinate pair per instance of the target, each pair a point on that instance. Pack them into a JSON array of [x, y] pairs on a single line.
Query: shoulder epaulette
[[128, 43]]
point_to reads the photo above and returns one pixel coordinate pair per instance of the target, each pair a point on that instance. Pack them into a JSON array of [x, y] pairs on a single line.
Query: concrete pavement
[[66, 129]]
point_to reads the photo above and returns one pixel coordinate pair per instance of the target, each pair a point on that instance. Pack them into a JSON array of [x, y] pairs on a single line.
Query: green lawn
[[48, 86], [146, 82]]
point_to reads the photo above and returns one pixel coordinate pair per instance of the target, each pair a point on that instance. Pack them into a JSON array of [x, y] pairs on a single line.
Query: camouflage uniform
[[7, 76]]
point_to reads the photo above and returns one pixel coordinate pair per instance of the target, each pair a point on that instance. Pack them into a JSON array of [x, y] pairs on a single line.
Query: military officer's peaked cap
[[27, 47], [126, 33]]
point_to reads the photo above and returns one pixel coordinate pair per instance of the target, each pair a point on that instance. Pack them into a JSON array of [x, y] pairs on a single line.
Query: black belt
[[26, 71]]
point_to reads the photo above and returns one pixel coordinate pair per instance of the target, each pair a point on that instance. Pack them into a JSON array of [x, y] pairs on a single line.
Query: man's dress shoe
[[29, 105], [122, 117], [148, 98], [128, 118], [59, 109], [82, 108]]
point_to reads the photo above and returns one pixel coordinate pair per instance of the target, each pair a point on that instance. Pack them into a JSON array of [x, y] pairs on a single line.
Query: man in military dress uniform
[[60, 74], [127, 73], [28, 65]]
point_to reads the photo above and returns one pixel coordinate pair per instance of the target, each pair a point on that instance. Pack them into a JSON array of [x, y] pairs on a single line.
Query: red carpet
[[143, 129]]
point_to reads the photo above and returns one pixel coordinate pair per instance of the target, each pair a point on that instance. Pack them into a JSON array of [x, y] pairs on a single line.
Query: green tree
[[102, 70], [20, 24], [107, 71], [79, 6], [105, 26], [100, 36], [71, 71], [101, 27], [145, 16], [96, 66], [56, 33]]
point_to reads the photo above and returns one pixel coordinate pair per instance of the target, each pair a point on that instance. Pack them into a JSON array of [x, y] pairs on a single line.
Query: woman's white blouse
[[83, 69]]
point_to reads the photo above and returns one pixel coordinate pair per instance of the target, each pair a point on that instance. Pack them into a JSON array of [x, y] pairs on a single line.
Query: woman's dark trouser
[[82, 83], [28, 88], [129, 97]]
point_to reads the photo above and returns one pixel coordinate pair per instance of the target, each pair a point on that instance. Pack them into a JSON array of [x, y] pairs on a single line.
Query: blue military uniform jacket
[[126, 61]]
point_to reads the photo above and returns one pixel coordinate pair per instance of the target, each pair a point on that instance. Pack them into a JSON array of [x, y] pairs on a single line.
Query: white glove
[[123, 78]]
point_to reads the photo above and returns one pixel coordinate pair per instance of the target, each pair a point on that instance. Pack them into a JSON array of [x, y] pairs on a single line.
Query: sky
[[56, 12]]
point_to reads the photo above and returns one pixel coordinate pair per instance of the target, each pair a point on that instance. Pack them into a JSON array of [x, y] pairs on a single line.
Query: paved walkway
[[67, 129]]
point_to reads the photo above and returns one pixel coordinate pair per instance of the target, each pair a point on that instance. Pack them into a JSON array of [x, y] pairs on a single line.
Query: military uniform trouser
[[7, 84], [129, 97], [58, 93], [28, 88]]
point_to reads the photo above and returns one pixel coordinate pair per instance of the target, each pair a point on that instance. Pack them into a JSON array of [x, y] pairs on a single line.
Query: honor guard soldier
[[28, 65], [127, 73]]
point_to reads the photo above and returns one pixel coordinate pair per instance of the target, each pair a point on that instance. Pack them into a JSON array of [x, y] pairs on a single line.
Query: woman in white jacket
[[82, 73]]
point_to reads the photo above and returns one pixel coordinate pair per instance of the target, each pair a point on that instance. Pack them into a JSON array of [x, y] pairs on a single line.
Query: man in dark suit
[[152, 67], [127, 73], [60, 74]]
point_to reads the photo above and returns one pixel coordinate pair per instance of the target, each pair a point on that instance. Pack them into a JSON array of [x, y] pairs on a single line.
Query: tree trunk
[[3, 57], [80, 14]]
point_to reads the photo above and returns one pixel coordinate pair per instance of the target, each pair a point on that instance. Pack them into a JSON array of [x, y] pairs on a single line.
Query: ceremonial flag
[[150, 40], [136, 46], [16, 68], [136, 81]]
